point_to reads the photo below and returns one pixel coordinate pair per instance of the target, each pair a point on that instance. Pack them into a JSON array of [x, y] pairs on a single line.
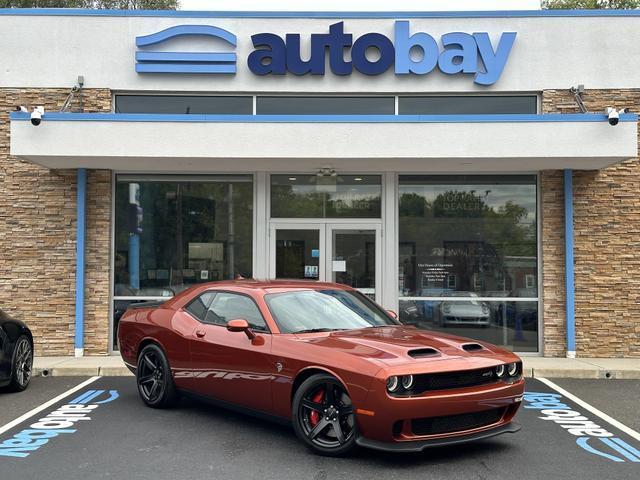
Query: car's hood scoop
[[423, 352]]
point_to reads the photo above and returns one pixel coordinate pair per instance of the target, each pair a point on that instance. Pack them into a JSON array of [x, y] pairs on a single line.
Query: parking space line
[[46, 405], [612, 421]]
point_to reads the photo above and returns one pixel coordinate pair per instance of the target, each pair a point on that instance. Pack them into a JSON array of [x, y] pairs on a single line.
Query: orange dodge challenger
[[338, 367]]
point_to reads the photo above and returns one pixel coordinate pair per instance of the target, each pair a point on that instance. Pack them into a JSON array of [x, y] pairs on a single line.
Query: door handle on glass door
[[200, 333]]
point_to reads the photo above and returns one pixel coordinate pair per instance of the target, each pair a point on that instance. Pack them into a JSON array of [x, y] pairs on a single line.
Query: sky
[[355, 5]]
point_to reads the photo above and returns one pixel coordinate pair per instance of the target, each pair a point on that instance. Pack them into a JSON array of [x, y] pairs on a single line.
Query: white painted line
[[592, 409], [46, 405]]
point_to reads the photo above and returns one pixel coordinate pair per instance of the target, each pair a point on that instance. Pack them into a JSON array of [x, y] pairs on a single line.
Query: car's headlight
[[407, 382], [446, 308], [500, 371], [392, 384], [512, 369]]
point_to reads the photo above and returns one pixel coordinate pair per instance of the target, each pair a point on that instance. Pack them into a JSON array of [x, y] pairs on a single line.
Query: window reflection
[[171, 234], [312, 196], [510, 324], [468, 234], [463, 241]]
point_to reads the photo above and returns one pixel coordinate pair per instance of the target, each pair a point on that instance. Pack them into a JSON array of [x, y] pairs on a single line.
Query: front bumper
[[420, 445], [438, 417]]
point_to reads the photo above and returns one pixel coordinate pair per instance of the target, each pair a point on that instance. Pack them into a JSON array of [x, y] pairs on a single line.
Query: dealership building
[[460, 168]]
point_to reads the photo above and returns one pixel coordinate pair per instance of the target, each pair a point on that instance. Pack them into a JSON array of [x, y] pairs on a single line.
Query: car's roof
[[251, 286]]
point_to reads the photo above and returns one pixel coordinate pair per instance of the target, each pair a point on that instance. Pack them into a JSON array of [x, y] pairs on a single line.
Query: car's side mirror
[[393, 314], [241, 325]]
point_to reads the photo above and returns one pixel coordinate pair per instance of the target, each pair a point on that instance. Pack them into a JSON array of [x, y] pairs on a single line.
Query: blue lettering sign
[[461, 53]]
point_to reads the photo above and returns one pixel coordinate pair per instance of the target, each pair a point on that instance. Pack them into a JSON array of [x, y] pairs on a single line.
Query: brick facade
[[606, 242], [37, 235]]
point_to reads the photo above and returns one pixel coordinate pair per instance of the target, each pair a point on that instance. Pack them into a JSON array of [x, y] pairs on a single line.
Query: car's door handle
[[200, 333]]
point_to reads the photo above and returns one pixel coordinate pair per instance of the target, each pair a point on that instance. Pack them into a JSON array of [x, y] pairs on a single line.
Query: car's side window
[[199, 307], [230, 306]]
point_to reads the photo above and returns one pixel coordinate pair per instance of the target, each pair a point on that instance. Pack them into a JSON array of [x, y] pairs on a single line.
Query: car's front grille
[[444, 381], [455, 423]]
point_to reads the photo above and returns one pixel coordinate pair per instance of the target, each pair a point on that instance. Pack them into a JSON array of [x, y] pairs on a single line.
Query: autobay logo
[[591, 436], [416, 53], [185, 62], [56, 423]]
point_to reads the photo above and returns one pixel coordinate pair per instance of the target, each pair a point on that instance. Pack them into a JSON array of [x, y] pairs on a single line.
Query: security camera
[[21, 108], [614, 116], [36, 116]]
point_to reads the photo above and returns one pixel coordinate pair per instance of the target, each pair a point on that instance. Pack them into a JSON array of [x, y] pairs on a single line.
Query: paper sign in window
[[339, 266]]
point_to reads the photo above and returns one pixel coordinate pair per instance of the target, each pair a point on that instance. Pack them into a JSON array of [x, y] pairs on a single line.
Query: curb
[[585, 373], [82, 372]]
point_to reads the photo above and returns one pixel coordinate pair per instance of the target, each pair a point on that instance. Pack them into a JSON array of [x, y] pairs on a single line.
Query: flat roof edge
[[71, 12], [146, 117]]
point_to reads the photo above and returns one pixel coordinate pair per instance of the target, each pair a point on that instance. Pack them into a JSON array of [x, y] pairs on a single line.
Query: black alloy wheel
[[323, 416], [22, 365], [155, 383]]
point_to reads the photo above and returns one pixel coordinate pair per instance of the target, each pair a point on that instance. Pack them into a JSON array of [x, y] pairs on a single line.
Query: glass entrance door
[[328, 252], [354, 257], [296, 251]]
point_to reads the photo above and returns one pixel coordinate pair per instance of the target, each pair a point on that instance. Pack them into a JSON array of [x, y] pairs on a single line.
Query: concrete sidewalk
[[533, 367]]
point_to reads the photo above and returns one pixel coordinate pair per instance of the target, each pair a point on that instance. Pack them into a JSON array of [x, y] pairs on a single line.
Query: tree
[[94, 4], [590, 4]]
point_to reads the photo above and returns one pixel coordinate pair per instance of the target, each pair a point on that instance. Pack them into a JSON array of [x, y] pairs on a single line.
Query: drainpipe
[[81, 202], [568, 268]]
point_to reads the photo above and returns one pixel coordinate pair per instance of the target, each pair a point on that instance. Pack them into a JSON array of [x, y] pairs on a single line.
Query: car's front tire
[[154, 379], [323, 416], [21, 365]]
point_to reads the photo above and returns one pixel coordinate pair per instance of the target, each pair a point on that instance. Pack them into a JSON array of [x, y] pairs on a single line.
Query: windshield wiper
[[313, 330]]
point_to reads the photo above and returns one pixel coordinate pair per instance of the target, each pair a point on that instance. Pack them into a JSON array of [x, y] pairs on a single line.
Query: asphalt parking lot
[[110, 434]]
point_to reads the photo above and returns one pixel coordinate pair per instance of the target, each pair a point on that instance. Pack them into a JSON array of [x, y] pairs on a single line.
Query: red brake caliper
[[314, 416]]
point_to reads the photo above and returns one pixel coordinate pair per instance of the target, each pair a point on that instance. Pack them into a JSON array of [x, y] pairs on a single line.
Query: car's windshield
[[462, 294], [324, 310]]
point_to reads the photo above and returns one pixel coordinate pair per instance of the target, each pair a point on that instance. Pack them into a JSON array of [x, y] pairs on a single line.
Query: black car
[[16, 354]]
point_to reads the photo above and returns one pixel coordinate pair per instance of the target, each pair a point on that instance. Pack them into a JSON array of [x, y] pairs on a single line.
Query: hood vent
[[472, 347], [423, 352]]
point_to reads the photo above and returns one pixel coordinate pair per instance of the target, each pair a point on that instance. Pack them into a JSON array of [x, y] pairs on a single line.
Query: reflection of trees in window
[[191, 232], [469, 237], [304, 196]]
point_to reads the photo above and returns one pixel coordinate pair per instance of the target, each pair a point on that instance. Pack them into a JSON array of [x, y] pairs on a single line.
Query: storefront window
[[467, 104], [324, 105], [313, 196], [172, 232], [468, 257], [184, 104]]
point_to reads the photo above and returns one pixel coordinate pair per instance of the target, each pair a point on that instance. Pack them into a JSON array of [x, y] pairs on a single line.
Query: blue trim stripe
[[81, 202], [180, 30], [148, 117], [148, 67], [568, 258], [185, 57], [78, 12]]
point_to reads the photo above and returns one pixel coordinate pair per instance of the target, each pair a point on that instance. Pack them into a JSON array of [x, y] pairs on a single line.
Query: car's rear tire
[[154, 379], [21, 365], [323, 416]]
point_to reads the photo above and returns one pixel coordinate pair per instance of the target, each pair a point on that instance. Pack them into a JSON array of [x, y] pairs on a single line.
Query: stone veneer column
[[606, 245], [37, 235]]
